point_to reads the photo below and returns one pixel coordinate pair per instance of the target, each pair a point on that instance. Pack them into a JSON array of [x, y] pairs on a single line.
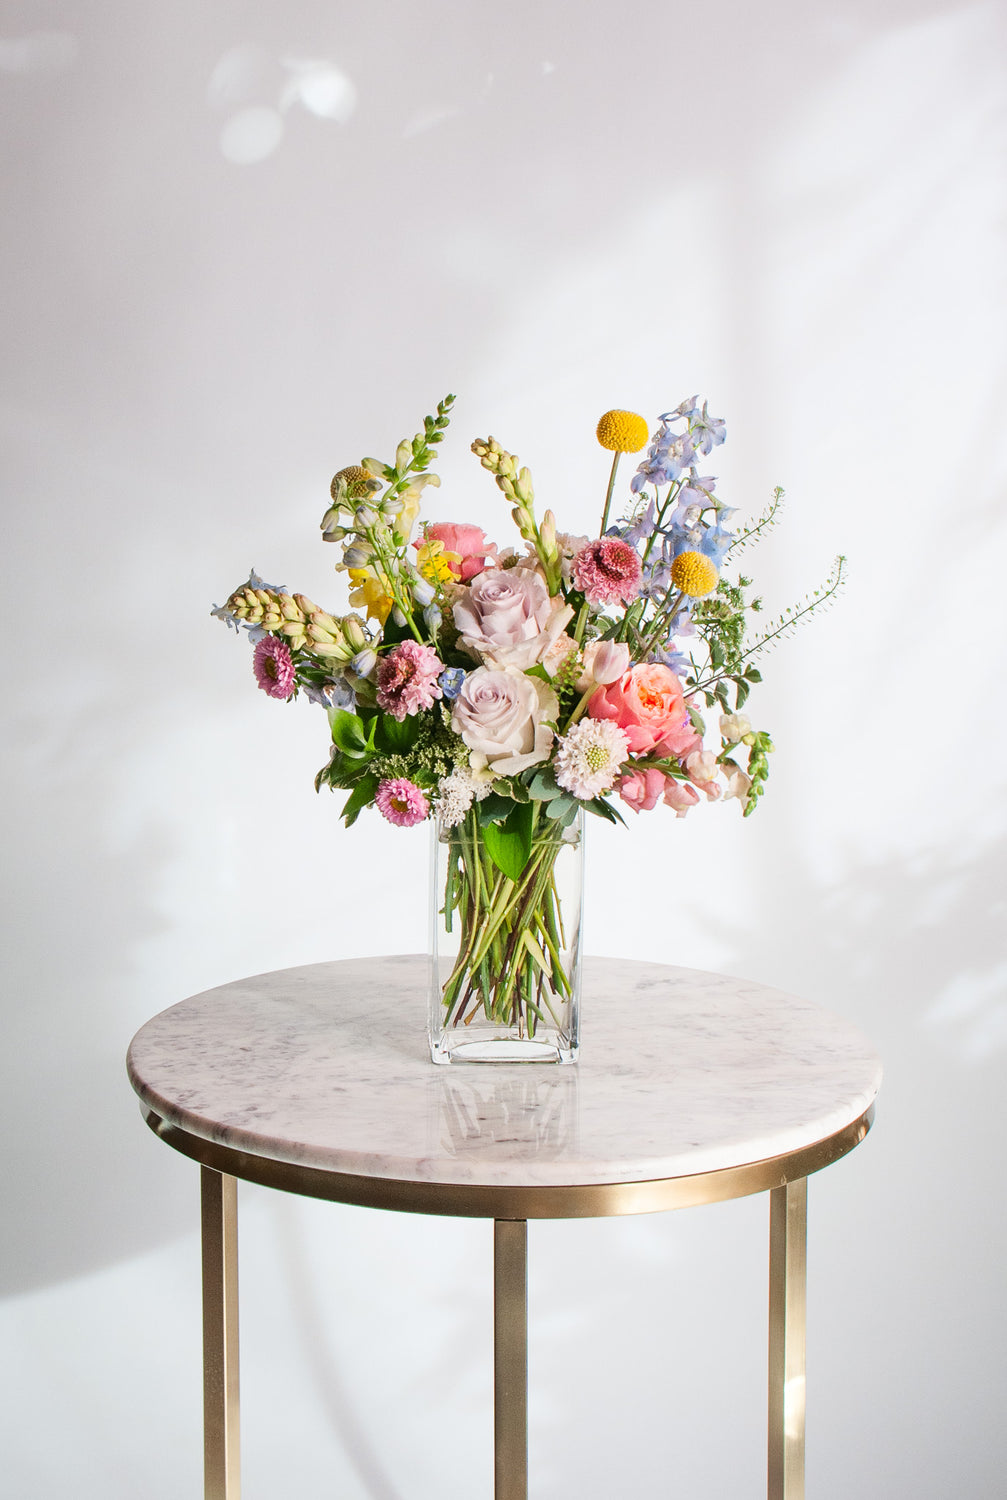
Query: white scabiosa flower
[[588, 757]]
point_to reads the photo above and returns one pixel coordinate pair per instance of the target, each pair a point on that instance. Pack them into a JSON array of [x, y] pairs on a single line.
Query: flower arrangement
[[505, 690]]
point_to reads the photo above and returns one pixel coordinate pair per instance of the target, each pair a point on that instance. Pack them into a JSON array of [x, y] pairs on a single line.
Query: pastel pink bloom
[[407, 679], [607, 571], [401, 802], [680, 795], [648, 702], [604, 661], [507, 619], [642, 790], [469, 542], [702, 768], [273, 667]]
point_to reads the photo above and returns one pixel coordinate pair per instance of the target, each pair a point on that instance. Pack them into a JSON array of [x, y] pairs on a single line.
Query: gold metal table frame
[[785, 1178]]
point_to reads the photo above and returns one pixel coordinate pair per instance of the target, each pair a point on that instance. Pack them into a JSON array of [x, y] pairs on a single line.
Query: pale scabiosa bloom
[[607, 571], [401, 802], [588, 757], [407, 679], [274, 667]]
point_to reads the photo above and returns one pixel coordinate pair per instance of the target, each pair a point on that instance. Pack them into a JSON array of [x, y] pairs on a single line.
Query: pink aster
[[407, 679], [607, 571], [401, 802], [274, 667]]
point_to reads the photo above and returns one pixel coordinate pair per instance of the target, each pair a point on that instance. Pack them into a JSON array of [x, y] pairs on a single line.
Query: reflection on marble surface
[[680, 1072], [507, 1120]]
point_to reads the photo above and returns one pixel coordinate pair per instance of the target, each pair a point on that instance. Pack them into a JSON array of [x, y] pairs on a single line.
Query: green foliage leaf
[[508, 844], [348, 731], [361, 796], [544, 786], [395, 737], [603, 809], [493, 809], [560, 806], [742, 691]]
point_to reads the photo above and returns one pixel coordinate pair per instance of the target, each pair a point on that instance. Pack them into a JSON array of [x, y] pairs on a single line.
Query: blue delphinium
[[451, 681]]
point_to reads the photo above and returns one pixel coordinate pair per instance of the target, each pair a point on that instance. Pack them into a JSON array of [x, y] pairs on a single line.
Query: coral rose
[[648, 702], [468, 542]]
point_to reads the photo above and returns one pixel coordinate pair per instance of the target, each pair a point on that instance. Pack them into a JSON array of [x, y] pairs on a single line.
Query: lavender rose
[[501, 715], [507, 618]]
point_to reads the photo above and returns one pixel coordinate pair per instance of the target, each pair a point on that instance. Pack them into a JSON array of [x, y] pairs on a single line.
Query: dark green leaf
[[508, 844], [394, 737], [359, 798], [347, 731], [493, 809], [753, 674], [603, 809]]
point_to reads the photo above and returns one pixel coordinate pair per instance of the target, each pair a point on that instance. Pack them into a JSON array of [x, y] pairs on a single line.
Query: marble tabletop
[[680, 1072]]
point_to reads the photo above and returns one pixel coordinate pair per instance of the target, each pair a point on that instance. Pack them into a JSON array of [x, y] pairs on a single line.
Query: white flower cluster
[[456, 794]]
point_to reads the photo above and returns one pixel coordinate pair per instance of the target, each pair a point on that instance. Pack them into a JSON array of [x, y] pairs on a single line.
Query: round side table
[[691, 1088]]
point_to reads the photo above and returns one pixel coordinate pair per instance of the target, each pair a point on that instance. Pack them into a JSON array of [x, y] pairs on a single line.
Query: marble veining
[[680, 1072]]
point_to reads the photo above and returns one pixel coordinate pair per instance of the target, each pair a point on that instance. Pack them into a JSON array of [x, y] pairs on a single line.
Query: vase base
[[501, 1049]]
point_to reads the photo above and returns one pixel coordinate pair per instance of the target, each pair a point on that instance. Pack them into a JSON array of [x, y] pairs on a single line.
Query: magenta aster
[[407, 679], [607, 571], [401, 802], [274, 667]]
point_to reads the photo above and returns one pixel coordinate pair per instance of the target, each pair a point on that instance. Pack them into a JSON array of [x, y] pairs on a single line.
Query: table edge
[[508, 1201]]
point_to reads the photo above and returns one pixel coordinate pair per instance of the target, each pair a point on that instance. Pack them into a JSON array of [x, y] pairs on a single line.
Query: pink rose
[[648, 702], [506, 617], [470, 544]]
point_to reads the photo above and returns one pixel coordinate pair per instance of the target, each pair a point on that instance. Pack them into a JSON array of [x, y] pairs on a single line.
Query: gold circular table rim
[[488, 1201]]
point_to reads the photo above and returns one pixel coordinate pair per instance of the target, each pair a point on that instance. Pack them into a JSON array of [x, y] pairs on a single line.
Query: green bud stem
[[611, 486]]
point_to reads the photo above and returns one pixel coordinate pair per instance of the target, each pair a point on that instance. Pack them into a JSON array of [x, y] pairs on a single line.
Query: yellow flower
[[370, 591], [622, 432], [433, 562], [358, 482], [694, 574]]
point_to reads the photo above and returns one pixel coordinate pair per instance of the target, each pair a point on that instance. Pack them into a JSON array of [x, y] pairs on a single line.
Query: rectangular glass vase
[[506, 953]]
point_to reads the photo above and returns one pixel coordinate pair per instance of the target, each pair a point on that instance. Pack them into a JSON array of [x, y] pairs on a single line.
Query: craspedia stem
[[611, 486]]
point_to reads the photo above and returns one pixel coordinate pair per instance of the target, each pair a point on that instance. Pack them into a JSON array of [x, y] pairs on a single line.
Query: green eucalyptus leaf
[[544, 786], [493, 809]]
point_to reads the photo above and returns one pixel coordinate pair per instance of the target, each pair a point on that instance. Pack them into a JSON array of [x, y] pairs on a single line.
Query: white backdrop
[[248, 243]]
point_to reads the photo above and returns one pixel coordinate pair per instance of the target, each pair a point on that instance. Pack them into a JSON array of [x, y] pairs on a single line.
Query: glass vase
[[506, 953]]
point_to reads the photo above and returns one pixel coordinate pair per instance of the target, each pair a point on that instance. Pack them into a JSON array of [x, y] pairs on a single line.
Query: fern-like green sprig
[[815, 602], [760, 528]]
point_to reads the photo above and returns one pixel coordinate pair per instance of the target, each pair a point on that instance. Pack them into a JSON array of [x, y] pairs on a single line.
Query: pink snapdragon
[[407, 679], [274, 667], [607, 571], [702, 768], [402, 802]]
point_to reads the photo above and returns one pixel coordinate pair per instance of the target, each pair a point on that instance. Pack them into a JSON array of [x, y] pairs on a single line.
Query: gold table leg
[[221, 1463], [510, 1358], [788, 1235]]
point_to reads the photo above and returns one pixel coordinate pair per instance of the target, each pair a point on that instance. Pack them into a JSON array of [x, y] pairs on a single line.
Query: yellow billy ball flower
[[358, 482], [370, 592], [694, 574], [622, 432]]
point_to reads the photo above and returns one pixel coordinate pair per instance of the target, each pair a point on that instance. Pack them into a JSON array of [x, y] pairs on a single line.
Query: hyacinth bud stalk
[[353, 629], [364, 662], [356, 557], [364, 517]]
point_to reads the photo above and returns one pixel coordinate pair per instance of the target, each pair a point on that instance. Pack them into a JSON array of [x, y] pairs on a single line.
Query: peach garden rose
[[648, 703]]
